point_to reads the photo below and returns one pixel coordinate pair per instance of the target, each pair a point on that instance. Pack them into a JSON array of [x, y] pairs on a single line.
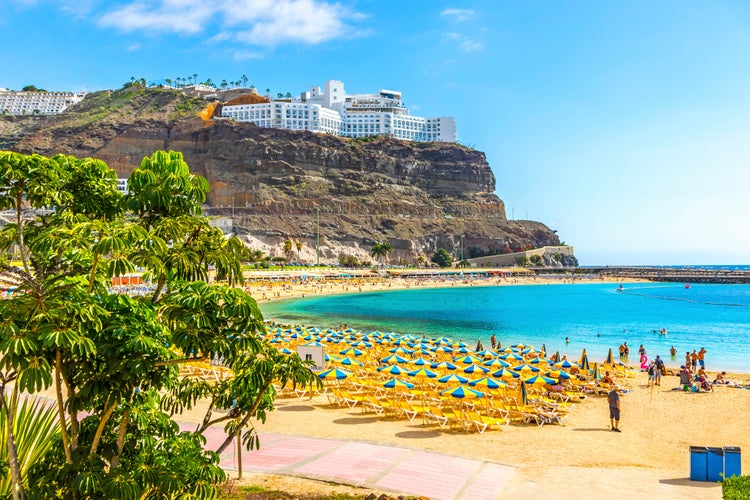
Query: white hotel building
[[357, 115], [36, 103]]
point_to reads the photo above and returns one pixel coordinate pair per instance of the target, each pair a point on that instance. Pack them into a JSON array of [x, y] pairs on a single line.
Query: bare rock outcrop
[[278, 184]]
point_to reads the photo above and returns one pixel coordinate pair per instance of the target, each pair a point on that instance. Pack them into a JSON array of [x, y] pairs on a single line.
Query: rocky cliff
[[277, 185]]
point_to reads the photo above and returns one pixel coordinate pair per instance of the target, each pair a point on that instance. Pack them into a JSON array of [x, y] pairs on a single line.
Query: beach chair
[[551, 417], [404, 408], [443, 416], [483, 422], [372, 403]]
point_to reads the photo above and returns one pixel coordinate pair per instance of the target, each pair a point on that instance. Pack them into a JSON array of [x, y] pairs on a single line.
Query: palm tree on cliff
[[288, 248], [381, 251], [298, 244]]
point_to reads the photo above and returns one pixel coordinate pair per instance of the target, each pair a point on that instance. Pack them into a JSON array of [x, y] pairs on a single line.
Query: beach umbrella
[[513, 356], [610, 359], [443, 365], [524, 396], [462, 392], [350, 362], [537, 361], [393, 370], [518, 346], [544, 351], [585, 362], [453, 378], [486, 353], [540, 380], [361, 343], [286, 351], [443, 349], [489, 383], [352, 351], [583, 355], [506, 374], [555, 357], [401, 350], [563, 364], [334, 374], [525, 368], [497, 363], [559, 374], [315, 343], [394, 358], [395, 383], [464, 350], [468, 360], [597, 371], [424, 352], [419, 362], [476, 369], [422, 373]]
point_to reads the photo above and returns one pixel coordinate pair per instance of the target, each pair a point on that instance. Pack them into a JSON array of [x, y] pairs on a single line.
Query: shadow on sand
[[419, 434], [355, 420], [295, 408], [685, 481], [592, 429]]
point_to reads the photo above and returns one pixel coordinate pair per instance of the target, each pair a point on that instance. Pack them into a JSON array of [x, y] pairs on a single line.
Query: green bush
[[736, 488]]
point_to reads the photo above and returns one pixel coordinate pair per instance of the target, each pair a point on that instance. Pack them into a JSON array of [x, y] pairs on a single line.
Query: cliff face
[[277, 184]]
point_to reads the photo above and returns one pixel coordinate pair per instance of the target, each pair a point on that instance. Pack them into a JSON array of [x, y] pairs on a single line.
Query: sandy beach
[[649, 457]]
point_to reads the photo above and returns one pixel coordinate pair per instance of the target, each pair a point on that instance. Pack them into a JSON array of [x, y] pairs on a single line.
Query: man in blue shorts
[[614, 409]]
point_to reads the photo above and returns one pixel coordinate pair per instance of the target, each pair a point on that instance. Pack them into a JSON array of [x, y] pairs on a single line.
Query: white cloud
[[176, 16], [253, 22], [471, 46], [457, 15]]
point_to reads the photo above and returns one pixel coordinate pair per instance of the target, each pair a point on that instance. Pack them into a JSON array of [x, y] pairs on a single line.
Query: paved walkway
[[386, 468]]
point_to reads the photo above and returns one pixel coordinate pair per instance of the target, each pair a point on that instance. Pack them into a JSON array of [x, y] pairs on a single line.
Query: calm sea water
[[596, 317]]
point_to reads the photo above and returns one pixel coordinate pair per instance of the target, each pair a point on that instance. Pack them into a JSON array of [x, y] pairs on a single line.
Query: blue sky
[[621, 124]]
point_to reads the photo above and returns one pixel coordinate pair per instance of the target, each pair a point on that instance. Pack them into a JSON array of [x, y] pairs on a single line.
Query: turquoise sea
[[592, 316]]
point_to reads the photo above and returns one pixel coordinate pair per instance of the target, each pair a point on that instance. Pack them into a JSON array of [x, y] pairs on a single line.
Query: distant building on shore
[[337, 113], [36, 103]]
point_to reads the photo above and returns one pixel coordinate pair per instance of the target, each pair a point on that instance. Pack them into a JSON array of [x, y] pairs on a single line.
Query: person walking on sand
[[614, 409], [493, 341]]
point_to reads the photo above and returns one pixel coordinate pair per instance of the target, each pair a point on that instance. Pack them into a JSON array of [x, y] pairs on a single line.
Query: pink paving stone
[[431, 475], [283, 453], [353, 462], [489, 483]]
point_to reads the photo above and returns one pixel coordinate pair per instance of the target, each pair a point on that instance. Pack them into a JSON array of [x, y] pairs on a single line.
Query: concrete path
[[382, 467]]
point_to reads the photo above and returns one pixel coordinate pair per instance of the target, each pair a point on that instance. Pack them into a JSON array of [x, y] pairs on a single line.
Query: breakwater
[[674, 274]]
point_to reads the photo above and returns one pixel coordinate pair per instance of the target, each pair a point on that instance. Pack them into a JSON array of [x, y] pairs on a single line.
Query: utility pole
[[317, 243]]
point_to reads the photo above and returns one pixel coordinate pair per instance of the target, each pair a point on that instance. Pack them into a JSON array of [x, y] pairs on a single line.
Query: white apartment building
[[36, 103], [357, 115]]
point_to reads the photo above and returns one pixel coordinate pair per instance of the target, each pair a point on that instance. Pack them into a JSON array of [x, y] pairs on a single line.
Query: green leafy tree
[[111, 357], [380, 251], [522, 261], [442, 258], [536, 260]]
